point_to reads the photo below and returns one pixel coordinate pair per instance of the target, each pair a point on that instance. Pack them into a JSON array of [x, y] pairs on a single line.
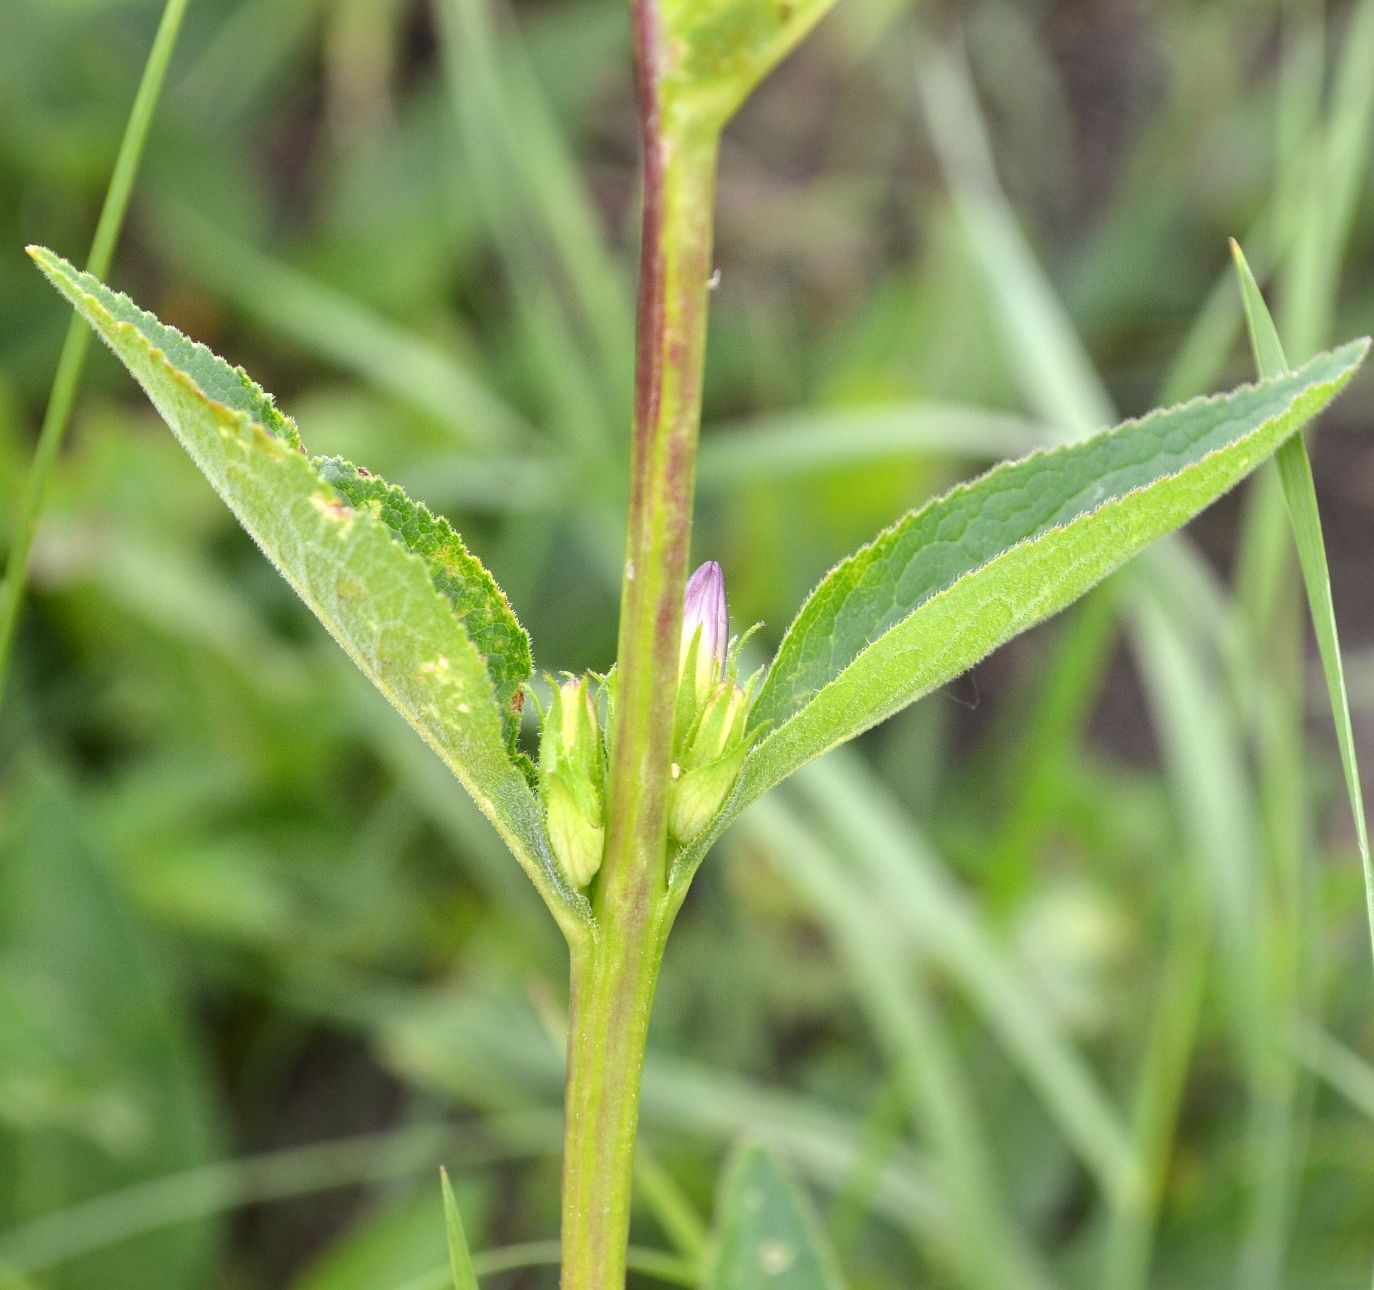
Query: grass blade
[[460, 1259], [1299, 491], [342, 331], [805, 443], [75, 346], [989, 1249], [912, 885]]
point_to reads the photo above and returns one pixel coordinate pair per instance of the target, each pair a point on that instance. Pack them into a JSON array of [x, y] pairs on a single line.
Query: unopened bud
[[572, 779], [721, 728], [709, 762], [705, 630]]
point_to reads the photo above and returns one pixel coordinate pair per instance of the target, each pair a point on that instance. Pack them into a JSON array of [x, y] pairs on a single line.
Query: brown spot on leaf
[[334, 507]]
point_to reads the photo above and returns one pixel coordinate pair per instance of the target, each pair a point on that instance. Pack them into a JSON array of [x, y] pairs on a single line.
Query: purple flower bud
[[704, 612]]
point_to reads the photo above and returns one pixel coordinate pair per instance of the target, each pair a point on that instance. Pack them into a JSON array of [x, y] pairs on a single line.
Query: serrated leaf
[[481, 606], [767, 1237], [953, 580], [392, 583]]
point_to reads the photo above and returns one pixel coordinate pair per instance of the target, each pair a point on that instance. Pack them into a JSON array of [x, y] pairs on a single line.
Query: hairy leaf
[[481, 606], [392, 583], [955, 579], [767, 1236]]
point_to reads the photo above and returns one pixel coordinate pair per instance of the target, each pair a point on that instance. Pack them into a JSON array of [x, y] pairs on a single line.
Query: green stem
[[614, 972], [73, 356], [612, 993], [679, 177]]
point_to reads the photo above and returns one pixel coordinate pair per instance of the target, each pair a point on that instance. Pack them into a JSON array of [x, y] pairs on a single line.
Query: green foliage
[[1068, 877], [102, 1080], [1300, 494], [73, 357], [953, 580], [766, 1233], [478, 603], [716, 51], [460, 1260], [399, 1244], [392, 585], [930, 597]]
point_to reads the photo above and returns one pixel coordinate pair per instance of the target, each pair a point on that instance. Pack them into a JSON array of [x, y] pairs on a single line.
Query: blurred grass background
[[1060, 979]]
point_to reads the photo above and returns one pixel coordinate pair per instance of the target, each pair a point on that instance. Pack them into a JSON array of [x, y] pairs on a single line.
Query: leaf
[[393, 584], [101, 1086], [1270, 359], [479, 603], [950, 582], [459, 1257], [717, 51], [397, 1245], [1300, 493], [768, 1238]]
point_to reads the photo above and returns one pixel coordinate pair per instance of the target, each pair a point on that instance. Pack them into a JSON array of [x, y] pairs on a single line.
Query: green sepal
[[572, 779]]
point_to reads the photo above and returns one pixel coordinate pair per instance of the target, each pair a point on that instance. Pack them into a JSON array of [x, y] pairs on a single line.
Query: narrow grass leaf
[[889, 855], [484, 1049], [931, 1078], [802, 443], [1338, 1066], [1299, 491], [537, 208], [1047, 356], [654, 1264], [392, 584], [72, 360], [460, 1259], [340, 330]]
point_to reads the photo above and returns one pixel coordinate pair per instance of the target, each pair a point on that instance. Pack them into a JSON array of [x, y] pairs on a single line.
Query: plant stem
[[675, 272], [74, 347], [614, 972], [612, 993]]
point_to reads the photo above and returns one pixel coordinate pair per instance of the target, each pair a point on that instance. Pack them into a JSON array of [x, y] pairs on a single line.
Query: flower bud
[[572, 779], [705, 631], [709, 762], [721, 728]]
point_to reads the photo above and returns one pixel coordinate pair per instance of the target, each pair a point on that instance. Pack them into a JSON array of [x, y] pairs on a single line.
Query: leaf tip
[[1242, 265], [54, 267], [1358, 349]]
